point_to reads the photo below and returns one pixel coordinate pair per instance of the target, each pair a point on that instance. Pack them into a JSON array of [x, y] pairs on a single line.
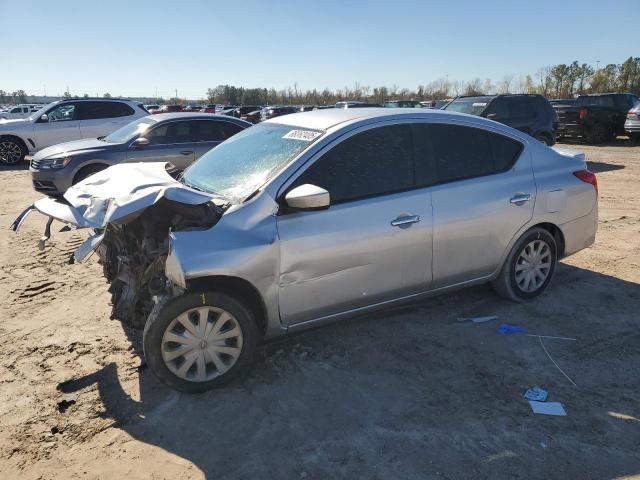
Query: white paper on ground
[[548, 408]]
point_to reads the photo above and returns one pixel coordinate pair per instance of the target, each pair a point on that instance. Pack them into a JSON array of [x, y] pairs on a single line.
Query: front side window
[[375, 162], [63, 113], [170, 132]]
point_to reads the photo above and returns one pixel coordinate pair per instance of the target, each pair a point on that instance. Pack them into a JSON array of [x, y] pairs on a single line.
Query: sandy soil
[[408, 393]]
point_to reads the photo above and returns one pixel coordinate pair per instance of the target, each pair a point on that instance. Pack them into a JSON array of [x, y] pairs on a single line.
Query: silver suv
[[313, 217]]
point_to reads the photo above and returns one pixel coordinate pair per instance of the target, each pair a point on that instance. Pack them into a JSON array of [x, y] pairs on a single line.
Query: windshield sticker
[[479, 104], [304, 135]]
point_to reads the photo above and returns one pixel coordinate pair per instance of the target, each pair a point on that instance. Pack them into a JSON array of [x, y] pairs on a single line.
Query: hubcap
[[533, 266], [10, 152], [201, 344]]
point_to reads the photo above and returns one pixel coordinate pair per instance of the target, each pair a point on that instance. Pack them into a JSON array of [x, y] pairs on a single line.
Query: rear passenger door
[[483, 194], [373, 243], [207, 134], [100, 118]]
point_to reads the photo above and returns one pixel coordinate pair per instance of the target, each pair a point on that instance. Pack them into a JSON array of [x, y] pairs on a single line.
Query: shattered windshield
[[239, 166]]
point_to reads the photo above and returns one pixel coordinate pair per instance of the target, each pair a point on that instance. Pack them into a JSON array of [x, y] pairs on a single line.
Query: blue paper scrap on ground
[[506, 328], [536, 394]]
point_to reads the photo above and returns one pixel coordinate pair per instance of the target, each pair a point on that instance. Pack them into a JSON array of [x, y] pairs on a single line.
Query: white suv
[[63, 121]]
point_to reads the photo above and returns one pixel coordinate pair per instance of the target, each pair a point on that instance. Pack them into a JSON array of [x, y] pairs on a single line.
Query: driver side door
[[62, 125], [373, 243], [168, 142]]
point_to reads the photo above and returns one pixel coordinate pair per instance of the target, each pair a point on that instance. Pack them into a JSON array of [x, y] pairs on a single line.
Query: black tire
[[12, 150], [87, 172], [161, 318], [597, 134], [544, 138], [506, 285]]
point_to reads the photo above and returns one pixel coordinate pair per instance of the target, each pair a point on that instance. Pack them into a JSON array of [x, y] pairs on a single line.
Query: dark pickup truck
[[596, 118]]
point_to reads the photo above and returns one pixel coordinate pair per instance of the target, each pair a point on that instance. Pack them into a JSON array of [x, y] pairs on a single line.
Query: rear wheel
[[199, 341], [529, 267], [12, 151]]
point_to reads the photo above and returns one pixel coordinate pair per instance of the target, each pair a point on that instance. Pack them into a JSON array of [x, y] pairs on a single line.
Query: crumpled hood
[[117, 192], [77, 146]]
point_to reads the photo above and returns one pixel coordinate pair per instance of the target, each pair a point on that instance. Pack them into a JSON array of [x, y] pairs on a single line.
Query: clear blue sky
[[133, 47]]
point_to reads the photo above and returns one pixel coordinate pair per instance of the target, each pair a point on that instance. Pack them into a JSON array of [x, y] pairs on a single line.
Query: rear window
[[597, 101], [470, 105]]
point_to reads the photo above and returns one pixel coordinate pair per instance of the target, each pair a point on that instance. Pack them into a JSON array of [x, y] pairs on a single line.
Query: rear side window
[[372, 163], [521, 108], [446, 153], [96, 110]]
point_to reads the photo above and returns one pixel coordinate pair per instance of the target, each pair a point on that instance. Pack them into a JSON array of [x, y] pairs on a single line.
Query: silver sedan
[[314, 217]]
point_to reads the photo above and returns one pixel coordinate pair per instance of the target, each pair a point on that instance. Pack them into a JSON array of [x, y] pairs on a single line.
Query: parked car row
[[19, 111], [311, 217], [596, 118]]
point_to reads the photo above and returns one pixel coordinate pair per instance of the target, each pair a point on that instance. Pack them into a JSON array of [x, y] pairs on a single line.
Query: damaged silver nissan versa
[[313, 217]]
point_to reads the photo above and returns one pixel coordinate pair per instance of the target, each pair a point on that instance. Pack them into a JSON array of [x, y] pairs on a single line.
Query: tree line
[[558, 81]]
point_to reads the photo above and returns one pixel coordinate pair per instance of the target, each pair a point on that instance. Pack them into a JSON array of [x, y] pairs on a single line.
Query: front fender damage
[[130, 210]]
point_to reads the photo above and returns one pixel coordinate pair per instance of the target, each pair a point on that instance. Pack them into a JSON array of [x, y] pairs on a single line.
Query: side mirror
[[44, 118], [308, 197], [140, 142]]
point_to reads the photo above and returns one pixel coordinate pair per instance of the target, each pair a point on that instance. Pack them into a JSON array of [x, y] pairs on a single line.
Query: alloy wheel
[[10, 152], [533, 266], [202, 344]]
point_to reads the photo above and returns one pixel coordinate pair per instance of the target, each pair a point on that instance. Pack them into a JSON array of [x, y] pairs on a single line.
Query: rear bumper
[[570, 130], [580, 233], [632, 126]]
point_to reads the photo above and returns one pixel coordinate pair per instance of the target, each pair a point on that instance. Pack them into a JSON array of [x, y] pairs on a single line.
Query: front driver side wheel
[[529, 267], [199, 340]]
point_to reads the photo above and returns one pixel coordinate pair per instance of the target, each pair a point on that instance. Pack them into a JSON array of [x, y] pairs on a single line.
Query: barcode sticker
[[304, 135]]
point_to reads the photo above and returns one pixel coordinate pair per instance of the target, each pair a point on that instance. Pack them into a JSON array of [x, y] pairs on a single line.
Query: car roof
[[330, 117], [160, 117]]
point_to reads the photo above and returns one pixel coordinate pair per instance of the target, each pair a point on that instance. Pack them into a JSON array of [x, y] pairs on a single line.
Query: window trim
[[159, 124], [285, 185]]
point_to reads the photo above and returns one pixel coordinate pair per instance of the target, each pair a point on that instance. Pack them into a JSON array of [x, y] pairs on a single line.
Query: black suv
[[531, 114]]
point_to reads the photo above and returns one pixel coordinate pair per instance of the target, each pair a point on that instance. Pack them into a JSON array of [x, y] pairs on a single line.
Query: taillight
[[632, 116], [588, 177], [583, 113]]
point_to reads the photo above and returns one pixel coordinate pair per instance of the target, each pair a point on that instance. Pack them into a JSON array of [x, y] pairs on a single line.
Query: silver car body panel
[[319, 266]]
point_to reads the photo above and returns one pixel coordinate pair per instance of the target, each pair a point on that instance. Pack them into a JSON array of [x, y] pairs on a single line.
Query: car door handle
[[405, 220], [520, 198], [186, 152]]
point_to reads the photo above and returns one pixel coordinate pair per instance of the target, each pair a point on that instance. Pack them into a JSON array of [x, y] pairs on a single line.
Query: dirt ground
[[409, 393]]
